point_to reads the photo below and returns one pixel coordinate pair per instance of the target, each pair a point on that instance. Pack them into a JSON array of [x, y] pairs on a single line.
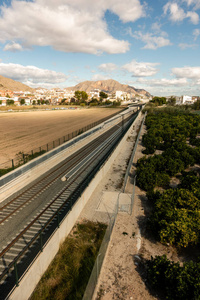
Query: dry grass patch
[[69, 272]]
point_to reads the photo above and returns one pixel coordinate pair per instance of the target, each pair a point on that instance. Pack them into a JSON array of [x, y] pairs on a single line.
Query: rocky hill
[[12, 85], [108, 86]]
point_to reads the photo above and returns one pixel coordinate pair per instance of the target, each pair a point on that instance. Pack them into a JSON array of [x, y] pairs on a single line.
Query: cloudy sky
[[152, 44]]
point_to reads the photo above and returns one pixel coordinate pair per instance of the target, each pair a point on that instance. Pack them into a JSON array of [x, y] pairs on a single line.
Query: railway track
[[44, 204]]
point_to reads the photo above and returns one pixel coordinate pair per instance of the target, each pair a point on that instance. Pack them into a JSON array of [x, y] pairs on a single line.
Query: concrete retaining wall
[[35, 272]]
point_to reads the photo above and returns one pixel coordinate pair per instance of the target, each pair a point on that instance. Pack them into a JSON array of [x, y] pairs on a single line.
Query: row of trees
[[175, 214], [159, 101], [171, 132], [22, 102], [81, 97]]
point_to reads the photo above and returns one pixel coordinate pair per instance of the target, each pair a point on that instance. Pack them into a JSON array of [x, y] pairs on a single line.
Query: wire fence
[[133, 154], [25, 156], [133, 195], [100, 258]]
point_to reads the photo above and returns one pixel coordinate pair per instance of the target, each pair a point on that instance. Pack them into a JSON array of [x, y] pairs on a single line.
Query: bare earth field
[[24, 131]]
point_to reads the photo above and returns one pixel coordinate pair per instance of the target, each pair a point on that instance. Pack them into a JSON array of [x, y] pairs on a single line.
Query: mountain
[[108, 86], [12, 85]]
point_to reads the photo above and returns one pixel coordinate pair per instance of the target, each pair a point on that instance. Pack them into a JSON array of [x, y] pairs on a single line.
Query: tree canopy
[[103, 96], [159, 101], [81, 96]]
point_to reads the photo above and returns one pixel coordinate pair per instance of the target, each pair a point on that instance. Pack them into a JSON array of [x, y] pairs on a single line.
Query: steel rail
[[50, 219], [58, 196], [84, 152], [22, 232]]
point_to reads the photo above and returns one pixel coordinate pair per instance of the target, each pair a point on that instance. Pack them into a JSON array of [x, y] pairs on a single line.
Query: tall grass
[[69, 272]]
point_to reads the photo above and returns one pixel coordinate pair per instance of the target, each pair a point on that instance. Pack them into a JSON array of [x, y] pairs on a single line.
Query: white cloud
[[184, 46], [156, 27], [177, 14], [187, 72], [31, 74], [13, 47], [152, 42], [65, 25], [194, 3], [141, 69], [186, 82], [97, 77], [108, 67], [194, 17], [196, 33], [164, 82], [128, 11]]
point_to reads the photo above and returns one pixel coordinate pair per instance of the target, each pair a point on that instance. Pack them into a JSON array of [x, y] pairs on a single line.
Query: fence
[[133, 154], [133, 195], [100, 258], [22, 158], [92, 283]]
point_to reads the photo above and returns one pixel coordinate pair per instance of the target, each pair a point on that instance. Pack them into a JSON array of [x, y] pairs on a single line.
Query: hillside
[[12, 85], [108, 86]]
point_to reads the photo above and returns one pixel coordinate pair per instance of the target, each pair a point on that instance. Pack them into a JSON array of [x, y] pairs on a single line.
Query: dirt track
[[24, 131]]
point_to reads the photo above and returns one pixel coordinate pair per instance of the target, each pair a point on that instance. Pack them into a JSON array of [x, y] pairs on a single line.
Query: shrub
[[172, 280], [175, 217]]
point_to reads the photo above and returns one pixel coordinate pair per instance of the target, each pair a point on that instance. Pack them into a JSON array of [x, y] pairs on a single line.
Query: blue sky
[[153, 45]]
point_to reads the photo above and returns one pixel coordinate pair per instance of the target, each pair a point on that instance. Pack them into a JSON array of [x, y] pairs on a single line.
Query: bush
[[175, 217], [172, 280]]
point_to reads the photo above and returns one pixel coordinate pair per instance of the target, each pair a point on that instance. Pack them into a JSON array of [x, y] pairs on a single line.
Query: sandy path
[[24, 131]]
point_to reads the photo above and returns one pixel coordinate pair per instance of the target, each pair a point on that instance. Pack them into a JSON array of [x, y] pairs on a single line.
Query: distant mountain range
[[107, 86], [12, 85]]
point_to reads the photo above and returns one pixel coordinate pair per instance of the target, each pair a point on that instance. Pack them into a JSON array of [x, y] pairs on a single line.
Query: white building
[[95, 93], [187, 100], [122, 96]]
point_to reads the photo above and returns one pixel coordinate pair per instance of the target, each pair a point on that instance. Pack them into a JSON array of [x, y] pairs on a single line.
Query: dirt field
[[24, 131]]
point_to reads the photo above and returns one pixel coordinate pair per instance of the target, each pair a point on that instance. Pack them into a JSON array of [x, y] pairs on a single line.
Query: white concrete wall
[[35, 272]]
